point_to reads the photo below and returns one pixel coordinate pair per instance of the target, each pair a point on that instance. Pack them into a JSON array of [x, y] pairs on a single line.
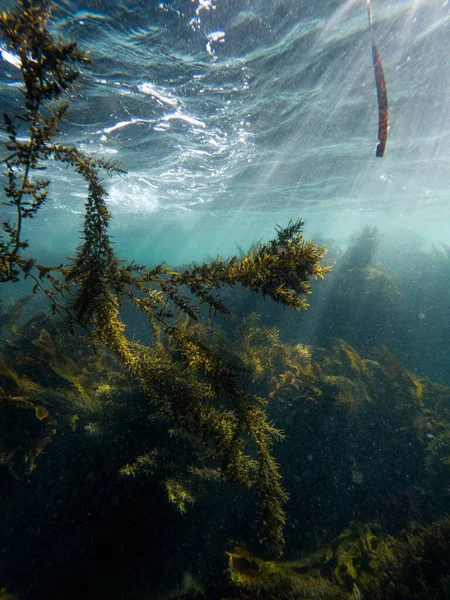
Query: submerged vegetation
[[345, 416], [360, 563], [183, 376], [126, 453]]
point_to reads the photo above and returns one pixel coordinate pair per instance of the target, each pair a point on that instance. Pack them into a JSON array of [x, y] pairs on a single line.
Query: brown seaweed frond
[[182, 374]]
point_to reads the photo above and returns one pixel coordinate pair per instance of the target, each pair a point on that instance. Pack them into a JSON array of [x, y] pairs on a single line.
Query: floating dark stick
[[383, 122]]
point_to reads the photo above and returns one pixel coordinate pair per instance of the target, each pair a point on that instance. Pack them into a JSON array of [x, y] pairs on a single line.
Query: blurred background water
[[233, 116]]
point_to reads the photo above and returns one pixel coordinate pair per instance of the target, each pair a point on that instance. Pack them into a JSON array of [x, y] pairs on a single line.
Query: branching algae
[[187, 382], [359, 564]]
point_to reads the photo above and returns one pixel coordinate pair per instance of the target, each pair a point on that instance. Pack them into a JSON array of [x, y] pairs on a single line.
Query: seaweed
[[346, 415], [359, 563], [413, 565], [359, 301], [186, 382]]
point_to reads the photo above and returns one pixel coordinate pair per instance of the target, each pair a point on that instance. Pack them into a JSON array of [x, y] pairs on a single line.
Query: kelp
[[90, 290], [297, 579], [330, 573], [359, 563], [413, 565], [370, 402], [346, 415], [359, 301], [47, 379]]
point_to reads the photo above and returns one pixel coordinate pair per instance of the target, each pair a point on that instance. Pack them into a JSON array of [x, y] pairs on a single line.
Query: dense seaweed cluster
[[345, 417], [123, 431], [359, 563], [90, 290]]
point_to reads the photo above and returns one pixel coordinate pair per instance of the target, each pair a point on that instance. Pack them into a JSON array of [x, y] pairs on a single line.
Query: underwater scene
[[224, 299]]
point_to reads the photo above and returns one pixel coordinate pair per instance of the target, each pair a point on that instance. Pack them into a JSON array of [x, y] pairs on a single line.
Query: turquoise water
[[233, 117]]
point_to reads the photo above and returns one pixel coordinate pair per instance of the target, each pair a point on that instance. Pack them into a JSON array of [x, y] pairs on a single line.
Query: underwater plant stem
[[57, 306], [188, 377], [8, 158], [20, 194]]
